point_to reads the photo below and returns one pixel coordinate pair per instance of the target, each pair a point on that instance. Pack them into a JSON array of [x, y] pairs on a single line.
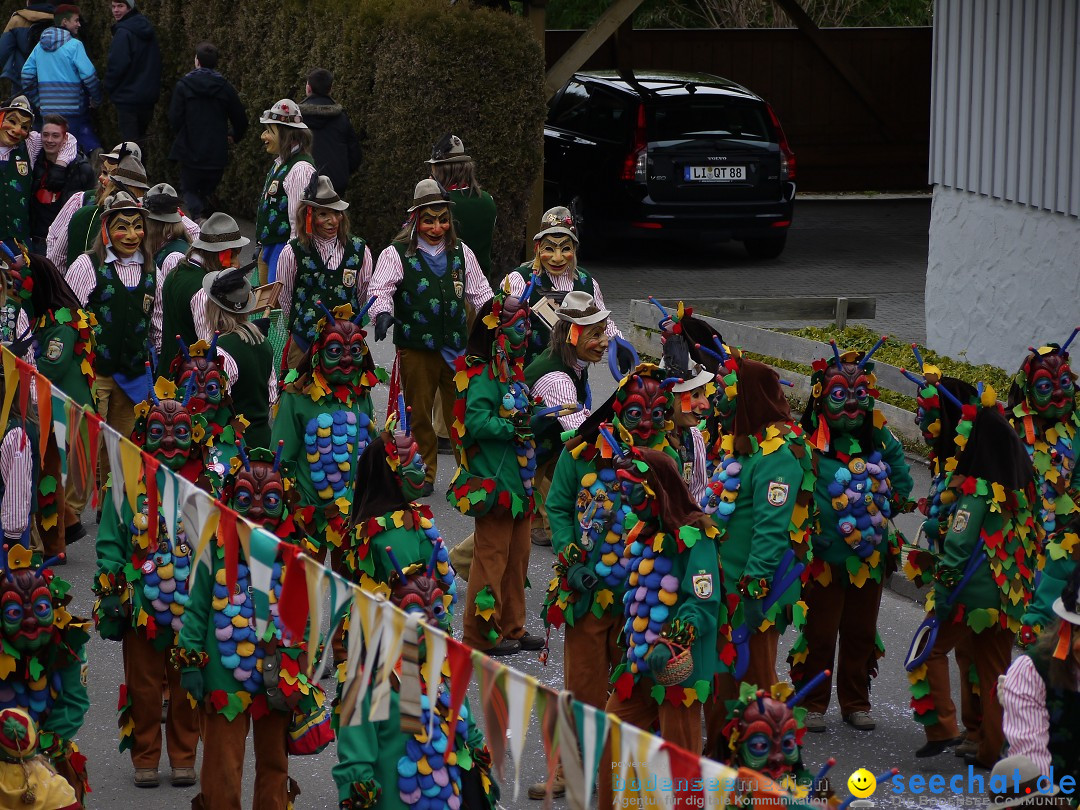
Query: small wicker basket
[[678, 668]]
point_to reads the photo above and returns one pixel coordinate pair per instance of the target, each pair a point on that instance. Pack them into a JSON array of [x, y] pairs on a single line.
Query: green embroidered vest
[[314, 281], [83, 229], [175, 246], [251, 395], [123, 321], [15, 182], [272, 226], [176, 318], [58, 362], [548, 429], [431, 310], [541, 335], [1063, 706]]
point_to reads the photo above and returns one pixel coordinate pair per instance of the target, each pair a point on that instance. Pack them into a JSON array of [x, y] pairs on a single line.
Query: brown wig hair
[[302, 235], [292, 139], [459, 175], [159, 234]]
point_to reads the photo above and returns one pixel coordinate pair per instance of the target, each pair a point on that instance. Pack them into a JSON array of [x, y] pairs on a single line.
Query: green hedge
[[407, 71]]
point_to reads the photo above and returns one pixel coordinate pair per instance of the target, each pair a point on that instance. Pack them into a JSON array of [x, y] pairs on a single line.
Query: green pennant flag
[[261, 566], [592, 728]]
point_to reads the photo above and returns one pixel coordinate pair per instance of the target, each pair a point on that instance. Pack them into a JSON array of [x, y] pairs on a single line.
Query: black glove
[[382, 324]]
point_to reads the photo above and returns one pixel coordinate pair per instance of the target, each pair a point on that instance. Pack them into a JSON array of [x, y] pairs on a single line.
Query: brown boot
[[558, 787]]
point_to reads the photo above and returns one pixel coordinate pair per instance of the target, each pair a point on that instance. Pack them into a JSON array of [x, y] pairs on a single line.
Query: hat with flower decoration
[[557, 220], [285, 112]]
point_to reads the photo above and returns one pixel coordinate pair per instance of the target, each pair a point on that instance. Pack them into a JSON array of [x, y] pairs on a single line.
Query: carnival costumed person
[[46, 646], [239, 678], [288, 139], [983, 575], [322, 262], [183, 301], [670, 655], [115, 284], [494, 484], [559, 377], [425, 282], [1042, 409], [397, 551], [19, 150], [244, 348], [203, 370], [556, 270], [764, 734], [324, 417], [474, 209], [759, 498], [863, 482], [167, 241], [27, 779], [142, 589], [692, 394], [1040, 697]]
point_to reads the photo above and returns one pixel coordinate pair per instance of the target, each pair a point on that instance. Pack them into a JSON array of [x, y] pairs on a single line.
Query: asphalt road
[[866, 248]]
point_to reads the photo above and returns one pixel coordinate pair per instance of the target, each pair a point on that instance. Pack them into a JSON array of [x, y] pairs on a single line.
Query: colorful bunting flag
[[393, 622], [116, 464], [435, 647], [60, 430], [570, 754], [592, 727], [520, 699]]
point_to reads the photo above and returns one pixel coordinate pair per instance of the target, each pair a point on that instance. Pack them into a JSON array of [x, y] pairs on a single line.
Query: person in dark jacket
[[207, 116], [54, 184], [133, 75], [336, 148], [21, 34]]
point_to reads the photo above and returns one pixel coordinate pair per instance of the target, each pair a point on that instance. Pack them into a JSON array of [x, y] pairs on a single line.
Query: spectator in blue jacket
[[133, 75], [21, 34], [207, 116], [58, 77]]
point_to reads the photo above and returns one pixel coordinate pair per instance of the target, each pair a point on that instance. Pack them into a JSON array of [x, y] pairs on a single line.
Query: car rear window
[[594, 111], [690, 117]]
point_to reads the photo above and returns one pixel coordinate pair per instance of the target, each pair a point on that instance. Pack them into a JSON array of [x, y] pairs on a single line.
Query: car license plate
[[714, 174]]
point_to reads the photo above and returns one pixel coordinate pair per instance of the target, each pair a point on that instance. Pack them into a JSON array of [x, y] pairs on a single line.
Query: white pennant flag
[[365, 638], [197, 508], [340, 592], [116, 466], [520, 697], [595, 725], [168, 500], [393, 622], [261, 568], [435, 656], [653, 768], [60, 430]]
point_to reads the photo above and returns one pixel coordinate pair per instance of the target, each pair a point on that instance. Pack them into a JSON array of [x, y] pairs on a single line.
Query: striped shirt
[[167, 266], [68, 149], [294, 184], [564, 283], [556, 388], [332, 252], [17, 470], [1025, 719], [389, 273], [82, 275]]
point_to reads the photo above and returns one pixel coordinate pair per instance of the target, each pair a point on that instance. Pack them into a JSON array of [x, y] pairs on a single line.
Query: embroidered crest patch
[[960, 522], [459, 289], [778, 493], [54, 349], [147, 303], [688, 471], [348, 278], [22, 166], [703, 585], [272, 190]]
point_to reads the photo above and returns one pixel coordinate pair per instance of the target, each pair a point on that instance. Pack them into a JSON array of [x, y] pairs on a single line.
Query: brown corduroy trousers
[[500, 563], [221, 779]]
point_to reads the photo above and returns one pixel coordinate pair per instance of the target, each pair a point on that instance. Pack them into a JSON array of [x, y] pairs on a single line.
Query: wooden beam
[[802, 20], [588, 43]]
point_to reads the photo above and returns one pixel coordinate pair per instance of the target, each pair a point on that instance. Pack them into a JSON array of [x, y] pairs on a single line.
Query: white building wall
[[1001, 277]]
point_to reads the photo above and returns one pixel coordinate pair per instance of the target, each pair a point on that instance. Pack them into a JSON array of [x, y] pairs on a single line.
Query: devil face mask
[[514, 327], [1051, 386], [423, 595], [768, 740], [258, 494], [169, 433], [208, 390], [26, 610], [340, 351], [644, 409], [846, 397]]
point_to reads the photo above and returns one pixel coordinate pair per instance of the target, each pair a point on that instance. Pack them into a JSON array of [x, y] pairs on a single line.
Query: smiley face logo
[[862, 783]]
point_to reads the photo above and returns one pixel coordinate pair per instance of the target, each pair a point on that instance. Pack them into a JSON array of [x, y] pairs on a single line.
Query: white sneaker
[[815, 721]]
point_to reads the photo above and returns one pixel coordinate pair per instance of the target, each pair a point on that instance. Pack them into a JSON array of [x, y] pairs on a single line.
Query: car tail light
[[636, 161], [787, 157]]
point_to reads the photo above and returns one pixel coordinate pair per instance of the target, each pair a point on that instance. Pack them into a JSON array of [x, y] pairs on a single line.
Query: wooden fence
[[839, 144]]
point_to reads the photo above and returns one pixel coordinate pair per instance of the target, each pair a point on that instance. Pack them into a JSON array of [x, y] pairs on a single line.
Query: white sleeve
[[1025, 718], [82, 278], [56, 243], [611, 330], [517, 283], [231, 369], [477, 287], [167, 266], [295, 182], [191, 226], [384, 281], [198, 314], [17, 465], [286, 274]]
